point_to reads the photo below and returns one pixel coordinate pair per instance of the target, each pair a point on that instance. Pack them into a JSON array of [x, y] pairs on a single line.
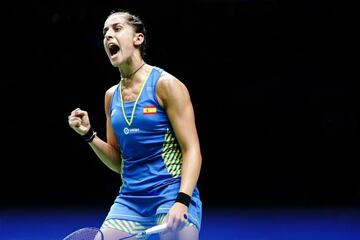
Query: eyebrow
[[112, 25]]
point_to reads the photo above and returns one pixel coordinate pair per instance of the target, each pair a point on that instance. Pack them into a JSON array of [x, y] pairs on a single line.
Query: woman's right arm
[[108, 151]]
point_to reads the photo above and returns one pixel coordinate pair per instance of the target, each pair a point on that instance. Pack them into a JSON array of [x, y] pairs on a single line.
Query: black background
[[275, 101]]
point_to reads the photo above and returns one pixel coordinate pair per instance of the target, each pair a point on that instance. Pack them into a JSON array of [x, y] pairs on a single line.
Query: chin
[[115, 62]]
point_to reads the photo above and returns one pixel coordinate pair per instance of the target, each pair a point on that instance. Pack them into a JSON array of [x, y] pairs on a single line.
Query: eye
[[118, 28]]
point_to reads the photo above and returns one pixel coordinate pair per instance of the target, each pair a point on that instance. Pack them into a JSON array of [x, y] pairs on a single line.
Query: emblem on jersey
[[149, 110], [131, 130]]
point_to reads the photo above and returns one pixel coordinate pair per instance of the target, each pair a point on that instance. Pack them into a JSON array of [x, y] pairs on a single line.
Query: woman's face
[[120, 40]]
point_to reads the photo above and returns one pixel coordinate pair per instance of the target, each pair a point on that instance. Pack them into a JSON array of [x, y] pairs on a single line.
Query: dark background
[[275, 100]]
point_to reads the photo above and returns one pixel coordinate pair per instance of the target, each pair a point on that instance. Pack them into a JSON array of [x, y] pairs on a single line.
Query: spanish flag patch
[[149, 110]]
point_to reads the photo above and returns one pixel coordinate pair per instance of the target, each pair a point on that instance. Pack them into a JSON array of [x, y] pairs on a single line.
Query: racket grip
[[156, 229]]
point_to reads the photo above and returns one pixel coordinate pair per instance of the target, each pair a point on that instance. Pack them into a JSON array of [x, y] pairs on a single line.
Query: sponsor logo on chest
[[131, 130]]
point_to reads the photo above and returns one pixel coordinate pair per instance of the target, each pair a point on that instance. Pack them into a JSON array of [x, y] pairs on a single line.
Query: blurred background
[[275, 100]]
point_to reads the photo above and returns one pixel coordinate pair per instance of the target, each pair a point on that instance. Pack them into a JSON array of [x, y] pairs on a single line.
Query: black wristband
[[183, 198], [89, 136]]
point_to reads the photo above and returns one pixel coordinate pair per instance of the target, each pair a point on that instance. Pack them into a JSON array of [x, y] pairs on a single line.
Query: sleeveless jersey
[[151, 156]]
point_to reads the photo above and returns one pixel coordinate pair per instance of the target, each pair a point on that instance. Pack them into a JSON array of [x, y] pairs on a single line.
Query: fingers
[[74, 122], [79, 120], [78, 112], [74, 118], [176, 222]]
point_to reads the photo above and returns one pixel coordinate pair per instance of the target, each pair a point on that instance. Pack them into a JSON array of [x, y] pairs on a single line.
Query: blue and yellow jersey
[[151, 156]]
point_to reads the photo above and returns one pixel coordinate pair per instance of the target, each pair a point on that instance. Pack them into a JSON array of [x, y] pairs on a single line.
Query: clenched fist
[[79, 121]]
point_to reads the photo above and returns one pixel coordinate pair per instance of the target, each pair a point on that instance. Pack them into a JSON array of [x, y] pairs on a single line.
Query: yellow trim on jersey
[[137, 99], [171, 155]]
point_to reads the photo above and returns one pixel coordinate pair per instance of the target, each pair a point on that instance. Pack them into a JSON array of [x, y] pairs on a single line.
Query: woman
[[151, 140]]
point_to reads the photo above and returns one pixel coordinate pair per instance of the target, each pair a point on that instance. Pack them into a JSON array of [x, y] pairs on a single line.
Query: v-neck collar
[[129, 122]]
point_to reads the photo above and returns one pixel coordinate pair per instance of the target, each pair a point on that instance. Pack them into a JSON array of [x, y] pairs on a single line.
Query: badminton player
[[151, 139]]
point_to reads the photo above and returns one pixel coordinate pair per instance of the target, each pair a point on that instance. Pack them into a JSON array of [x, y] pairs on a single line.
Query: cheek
[[127, 40], [104, 45], [127, 45]]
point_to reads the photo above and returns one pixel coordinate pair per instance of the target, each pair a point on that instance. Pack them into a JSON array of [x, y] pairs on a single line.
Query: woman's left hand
[[177, 216]]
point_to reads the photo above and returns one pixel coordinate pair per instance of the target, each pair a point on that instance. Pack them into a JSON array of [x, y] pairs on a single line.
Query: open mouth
[[113, 49]]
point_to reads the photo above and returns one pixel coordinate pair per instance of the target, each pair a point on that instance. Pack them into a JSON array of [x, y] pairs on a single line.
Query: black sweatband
[[89, 136], [183, 198]]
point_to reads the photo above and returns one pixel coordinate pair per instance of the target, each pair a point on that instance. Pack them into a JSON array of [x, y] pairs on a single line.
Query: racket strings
[[86, 234]]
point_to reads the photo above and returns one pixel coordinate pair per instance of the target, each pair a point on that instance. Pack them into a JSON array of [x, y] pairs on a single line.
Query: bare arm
[[175, 98], [108, 151]]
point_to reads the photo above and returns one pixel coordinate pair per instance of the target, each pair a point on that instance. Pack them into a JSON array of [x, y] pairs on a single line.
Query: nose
[[108, 36]]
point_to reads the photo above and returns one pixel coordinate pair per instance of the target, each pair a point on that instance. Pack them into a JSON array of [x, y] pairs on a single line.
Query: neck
[[126, 76]]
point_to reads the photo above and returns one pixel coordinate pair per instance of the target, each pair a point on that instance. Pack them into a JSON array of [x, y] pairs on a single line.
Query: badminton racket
[[91, 233]]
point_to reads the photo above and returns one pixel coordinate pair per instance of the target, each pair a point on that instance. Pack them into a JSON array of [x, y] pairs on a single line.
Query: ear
[[138, 39]]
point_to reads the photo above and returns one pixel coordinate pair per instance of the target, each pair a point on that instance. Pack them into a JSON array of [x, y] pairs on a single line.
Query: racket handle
[[156, 229]]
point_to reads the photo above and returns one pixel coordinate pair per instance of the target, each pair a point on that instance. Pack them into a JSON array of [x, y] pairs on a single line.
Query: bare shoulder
[[110, 91], [168, 83], [108, 96], [170, 89]]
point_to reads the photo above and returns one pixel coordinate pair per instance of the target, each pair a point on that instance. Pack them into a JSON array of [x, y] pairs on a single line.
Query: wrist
[[183, 198], [89, 136]]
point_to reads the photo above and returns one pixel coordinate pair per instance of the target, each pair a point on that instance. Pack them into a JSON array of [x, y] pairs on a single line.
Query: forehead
[[115, 19]]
